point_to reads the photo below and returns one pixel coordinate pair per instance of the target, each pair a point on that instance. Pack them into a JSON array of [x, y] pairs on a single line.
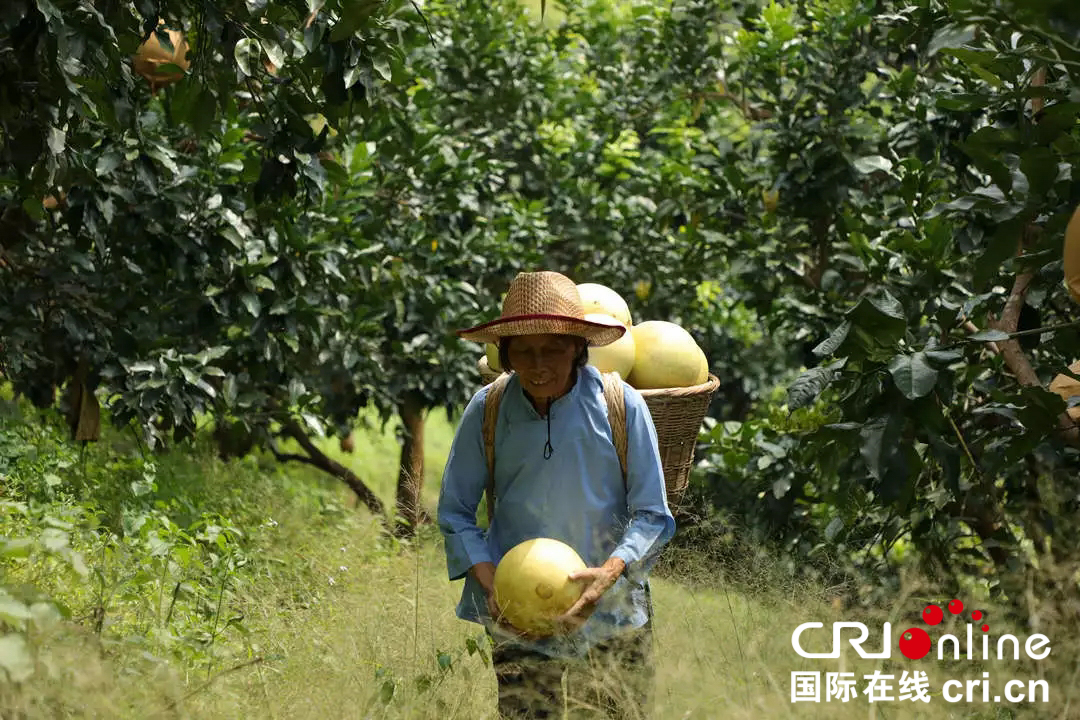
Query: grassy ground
[[338, 621]]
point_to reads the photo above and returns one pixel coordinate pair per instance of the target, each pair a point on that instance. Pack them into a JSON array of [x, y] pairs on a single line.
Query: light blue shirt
[[576, 496]]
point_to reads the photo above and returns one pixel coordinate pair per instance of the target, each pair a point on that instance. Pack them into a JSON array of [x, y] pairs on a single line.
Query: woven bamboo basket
[[677, 414]]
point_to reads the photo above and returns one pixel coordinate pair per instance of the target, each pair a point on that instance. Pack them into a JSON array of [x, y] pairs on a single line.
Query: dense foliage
[[923, 164]]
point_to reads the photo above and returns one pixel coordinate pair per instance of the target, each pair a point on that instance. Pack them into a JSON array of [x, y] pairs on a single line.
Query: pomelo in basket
[[531, 584], [1067, 387], [596, 298], [614, 357], [665, 356], [492, 353]]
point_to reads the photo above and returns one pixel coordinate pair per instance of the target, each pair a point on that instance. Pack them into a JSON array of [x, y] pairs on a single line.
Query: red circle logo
[[914, 643]]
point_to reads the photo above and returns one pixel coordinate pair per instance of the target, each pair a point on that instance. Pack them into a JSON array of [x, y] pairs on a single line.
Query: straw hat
[[540, 303]]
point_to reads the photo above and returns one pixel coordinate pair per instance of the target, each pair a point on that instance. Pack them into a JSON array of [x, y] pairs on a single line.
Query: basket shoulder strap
[[616, 404], [491, 415]]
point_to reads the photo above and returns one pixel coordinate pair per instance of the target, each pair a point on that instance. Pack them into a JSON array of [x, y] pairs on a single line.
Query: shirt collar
[[526, 408]]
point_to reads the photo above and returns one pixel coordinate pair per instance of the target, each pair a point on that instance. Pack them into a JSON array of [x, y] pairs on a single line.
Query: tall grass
[[338, 620]]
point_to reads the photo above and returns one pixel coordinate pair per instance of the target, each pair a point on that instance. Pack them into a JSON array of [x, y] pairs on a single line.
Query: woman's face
[[545, 363]]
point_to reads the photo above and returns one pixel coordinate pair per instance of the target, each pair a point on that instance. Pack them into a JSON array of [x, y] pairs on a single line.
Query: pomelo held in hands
[[532, 586]]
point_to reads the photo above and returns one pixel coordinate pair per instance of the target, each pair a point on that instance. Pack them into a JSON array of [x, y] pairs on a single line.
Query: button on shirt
[[576, 496]]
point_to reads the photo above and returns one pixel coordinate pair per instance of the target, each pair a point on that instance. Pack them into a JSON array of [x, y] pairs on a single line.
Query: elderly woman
[[558, 475]]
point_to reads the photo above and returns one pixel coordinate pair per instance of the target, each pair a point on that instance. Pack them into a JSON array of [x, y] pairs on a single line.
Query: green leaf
[[944, 357], [386, 691], [49, 10], [1040, 166], [212, 353], [878, 319], [383, 68], [832, 343], [57, 140], [251, 302], [314, 423], [108, 162], [203, 111], [13, 612], [262, 282], [206, 387], [16, 547], [247, 53], [873, 163], [229, 390], [963, 102], [191, 377], [15, 658], [950, 36], [880, 443], [45, 615], [989, 336], [273, 52], [913, 375], [78, 564], [810, 384], [54, 540]]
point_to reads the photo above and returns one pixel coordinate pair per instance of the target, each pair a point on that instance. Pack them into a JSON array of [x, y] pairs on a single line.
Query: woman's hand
[[501, 622], [599, 580], [485, 575]]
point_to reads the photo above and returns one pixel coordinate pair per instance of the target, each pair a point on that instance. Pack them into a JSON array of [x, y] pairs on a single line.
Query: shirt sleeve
[[463, 483], [651, 522]]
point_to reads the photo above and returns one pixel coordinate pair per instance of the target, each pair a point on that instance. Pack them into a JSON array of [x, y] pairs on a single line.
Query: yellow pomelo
[[152, 55], [666, 355], [531, 584], [1071, 255], [492, 353], [615, 357], [1067, 387], [596, 298]]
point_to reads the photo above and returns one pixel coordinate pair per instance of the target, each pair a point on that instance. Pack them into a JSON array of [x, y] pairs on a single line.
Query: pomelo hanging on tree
[[158, 62], [1068, 387], [1071, 255]]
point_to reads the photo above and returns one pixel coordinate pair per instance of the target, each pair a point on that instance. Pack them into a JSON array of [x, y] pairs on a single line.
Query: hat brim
[[598, 334]]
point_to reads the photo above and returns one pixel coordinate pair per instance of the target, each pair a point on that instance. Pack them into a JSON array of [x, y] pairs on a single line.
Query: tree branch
[[1014, 356], [319, 459]]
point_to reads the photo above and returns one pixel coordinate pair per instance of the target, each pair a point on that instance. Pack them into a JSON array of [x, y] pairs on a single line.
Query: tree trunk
[[410, 482]]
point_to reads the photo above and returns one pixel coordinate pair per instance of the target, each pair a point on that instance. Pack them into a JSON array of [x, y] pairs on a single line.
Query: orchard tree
[[179, 260], [909, 172]]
